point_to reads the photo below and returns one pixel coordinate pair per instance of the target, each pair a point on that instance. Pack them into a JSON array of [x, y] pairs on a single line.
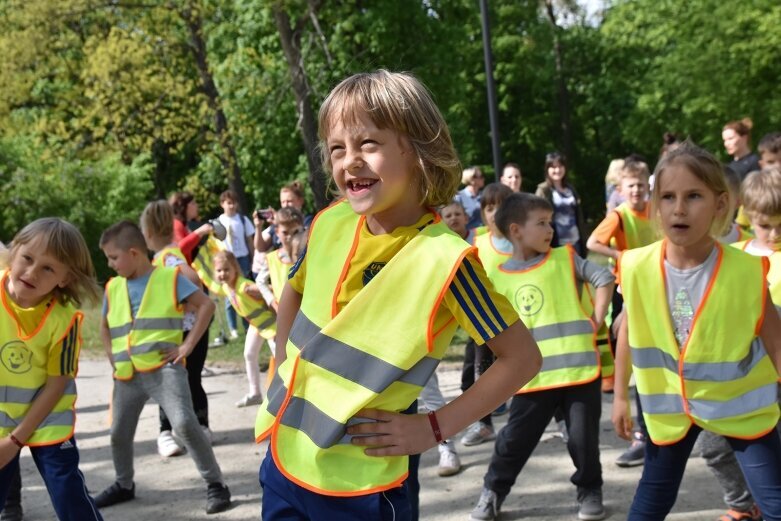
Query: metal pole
[[493, 114]]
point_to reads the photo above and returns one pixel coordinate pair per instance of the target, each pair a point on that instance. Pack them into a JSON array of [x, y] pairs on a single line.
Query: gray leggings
[[168, 387]]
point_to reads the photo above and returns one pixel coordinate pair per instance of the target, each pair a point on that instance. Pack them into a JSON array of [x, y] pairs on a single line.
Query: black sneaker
[[11, 512], [218, 498], [115, 494]]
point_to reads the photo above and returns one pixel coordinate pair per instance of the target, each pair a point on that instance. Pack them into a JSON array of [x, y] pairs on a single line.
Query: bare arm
[[289, 304], [262, 241], [622, 416], [602, 298], [597, 247], [105, 337], [204, 310], [770, 333]]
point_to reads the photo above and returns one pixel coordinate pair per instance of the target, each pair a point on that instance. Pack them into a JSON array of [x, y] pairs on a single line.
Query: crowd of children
[[350, 355]]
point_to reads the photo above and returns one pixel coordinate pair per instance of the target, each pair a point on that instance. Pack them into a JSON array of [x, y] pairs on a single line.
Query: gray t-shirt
[[685, 289], [585, 271], [501, 244], [137, 287]]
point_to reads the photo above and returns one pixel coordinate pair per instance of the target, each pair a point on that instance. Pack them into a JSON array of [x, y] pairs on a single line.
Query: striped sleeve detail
[[297, 273], [476, 305], [69, 351]]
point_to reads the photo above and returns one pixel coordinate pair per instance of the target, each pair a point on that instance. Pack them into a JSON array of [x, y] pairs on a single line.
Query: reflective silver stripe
[[120, 331], [275, 395], [726, 371], [255, 314], [267, 323], [661, 403], [174, 323], [11, 394], [751, 401], [561, 330], [7, 421], [653, 357], [302, 330], [419, 373], [323, 430], [258, 312], [58, 419], [141, 349], [121, 356], [569, 360]]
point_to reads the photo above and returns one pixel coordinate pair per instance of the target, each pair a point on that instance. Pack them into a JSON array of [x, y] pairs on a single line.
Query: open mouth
[[680, 227], [360, 185]]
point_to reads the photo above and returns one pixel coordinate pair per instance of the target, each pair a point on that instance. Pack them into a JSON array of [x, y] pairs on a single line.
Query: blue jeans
[[246, 268], [59, 468], [759, 459]]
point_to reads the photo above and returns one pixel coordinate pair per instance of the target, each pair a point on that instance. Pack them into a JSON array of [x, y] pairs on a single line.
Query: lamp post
[[493, 115]]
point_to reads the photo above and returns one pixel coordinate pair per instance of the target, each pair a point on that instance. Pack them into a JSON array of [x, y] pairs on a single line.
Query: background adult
[[469, 196], [568, 222], [512, 177], [188, 230], [737, 142], [290, 195]]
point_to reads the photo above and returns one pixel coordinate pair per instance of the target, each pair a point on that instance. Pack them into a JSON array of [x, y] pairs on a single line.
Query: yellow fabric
[[204, 265], [721, 379], [546, 297], [158, 303], [172, 251], [639, 230], [490, 257], [378, 323], [29, 358], [29, 318], [278, 271], [254, 310]]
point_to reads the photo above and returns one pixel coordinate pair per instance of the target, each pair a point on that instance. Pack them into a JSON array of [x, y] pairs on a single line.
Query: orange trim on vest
[[346, 268], [11, 314]]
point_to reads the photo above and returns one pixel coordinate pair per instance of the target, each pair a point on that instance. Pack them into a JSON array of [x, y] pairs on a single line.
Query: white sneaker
[[250, 399], [478, 433], [167, 445], [234, 334], [449, 463]]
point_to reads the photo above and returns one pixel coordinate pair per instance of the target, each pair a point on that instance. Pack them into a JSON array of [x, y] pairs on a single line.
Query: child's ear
[[515, 230], [66, 281], [722, 203]]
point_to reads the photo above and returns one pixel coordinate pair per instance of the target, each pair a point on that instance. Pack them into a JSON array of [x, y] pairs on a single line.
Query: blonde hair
[[613, 172], [469, 174], [702, 165], [399, 102], [64, 242], [634, 169], [761, 193], [230, 258], [157, 220]]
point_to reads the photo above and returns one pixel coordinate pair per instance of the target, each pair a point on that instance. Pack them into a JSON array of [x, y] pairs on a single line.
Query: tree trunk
[[561, 84], [290, 38], [230, 163]]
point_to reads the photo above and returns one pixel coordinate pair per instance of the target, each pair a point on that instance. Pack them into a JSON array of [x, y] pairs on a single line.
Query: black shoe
[[12, 512], [115, 494], [218, 498]]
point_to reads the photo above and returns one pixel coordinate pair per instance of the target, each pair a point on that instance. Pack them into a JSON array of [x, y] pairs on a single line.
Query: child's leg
[[724, 465], [128, 402], [760, 460], [59, 467], [582, 409], [284, 500], [231, 314], [168, 386], [8, 475], [529, 415], [662, 473], [195, 363], [252, 345]]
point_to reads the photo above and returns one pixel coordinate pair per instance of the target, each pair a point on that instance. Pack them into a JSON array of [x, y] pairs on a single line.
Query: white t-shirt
[[685, 289], [755, 249], [238, 228]]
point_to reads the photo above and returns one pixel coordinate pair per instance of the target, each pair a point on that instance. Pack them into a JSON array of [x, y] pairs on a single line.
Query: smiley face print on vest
[[529, 300], [15, 357]]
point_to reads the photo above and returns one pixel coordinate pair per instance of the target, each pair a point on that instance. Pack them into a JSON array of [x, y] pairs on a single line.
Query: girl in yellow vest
[[49, 275], [157, 226], [246, 299], [697, 368], [370, 309]]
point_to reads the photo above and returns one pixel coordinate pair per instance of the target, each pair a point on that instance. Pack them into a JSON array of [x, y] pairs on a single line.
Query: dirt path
[[171, 490]]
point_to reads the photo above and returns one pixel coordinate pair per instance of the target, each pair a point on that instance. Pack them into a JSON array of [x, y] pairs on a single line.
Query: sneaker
[[250, 399], [478, 433], [562, 433], [590, 505], [114, 495], [502, 409], [167, 446], [12, 512], [635, 454], [206, 372], [487, 508], [736, 515], [233, 334], [449, 463], [218, 498], [217, 342]]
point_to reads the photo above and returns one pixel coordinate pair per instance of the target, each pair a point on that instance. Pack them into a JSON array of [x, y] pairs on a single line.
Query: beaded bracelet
[[432, 418]]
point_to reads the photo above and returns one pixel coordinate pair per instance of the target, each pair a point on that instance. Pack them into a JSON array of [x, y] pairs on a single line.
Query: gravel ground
[[172, 490]]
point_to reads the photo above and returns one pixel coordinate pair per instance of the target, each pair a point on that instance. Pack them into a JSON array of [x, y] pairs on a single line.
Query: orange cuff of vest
[[432, 418], [16, 441]]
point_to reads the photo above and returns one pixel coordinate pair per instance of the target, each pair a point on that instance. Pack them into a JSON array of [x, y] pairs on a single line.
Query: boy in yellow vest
[[289, 221], [545, 287], [142, 333]]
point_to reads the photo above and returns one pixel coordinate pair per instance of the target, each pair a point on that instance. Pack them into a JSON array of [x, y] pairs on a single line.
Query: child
[[239, 241], [288, 222], [770, 150], [291, 195], [696, 365], [367, 334], [454, 216], [49, 275], [545, 286], [142, 335], [492, 249], [246, 299], [157, 226]]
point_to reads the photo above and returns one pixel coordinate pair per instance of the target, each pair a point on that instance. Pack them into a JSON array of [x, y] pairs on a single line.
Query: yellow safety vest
[[489, 256], [204, 265], [638, 230], [23, 369], [774, 279], [606, 359], [377, 352], [278, 272], [141, 343], [169, 250], [546, 298], [256, 312], [721, 378]]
